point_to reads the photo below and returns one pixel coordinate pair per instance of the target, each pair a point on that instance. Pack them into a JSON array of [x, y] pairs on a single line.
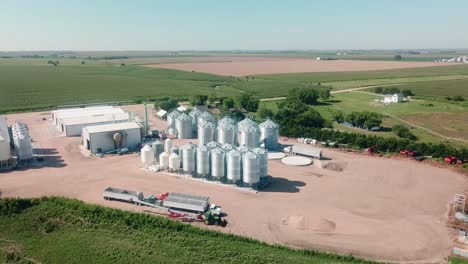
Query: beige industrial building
[[105, 138]]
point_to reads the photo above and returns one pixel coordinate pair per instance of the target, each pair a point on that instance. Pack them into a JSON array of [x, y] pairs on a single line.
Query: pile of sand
[[335, 166], [309, 224]]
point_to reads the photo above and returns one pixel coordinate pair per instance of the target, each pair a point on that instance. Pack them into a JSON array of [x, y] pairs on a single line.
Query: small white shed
[[103, 137]]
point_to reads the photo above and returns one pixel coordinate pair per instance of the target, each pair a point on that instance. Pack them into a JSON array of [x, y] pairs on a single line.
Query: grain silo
[[212, 145], [206, 117], [250, 169], [189, 158], [227, 147], [226, 120], [147, 155], [174, 162], [158, 148], [227, 133], [164, 161], [22, 141], [243, 149], [234, 166], [217, 163], [206, 132], [246, 122], [269, 134], [203, 161], [194, 114], [263, 157], [171, 118], [183, 125], [168, 145], [248, 136]]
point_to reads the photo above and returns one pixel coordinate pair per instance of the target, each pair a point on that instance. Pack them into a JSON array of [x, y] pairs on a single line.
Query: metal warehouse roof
[[89, 112], [94, 119], [78, 109], [111, 127]]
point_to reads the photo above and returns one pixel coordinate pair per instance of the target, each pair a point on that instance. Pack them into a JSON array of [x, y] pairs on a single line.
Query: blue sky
[[232, 24]]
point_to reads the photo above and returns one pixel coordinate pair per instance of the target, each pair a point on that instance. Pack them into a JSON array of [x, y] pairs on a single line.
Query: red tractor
[[452, 160]]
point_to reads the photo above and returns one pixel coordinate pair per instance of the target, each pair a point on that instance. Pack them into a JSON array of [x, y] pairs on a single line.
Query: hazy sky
[[232, 24]]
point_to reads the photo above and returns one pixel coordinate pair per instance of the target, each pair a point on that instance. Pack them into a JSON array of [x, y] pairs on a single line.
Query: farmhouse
[[395, 98]]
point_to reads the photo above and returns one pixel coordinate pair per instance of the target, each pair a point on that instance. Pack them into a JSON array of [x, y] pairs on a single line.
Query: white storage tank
[[269, 134], [234, 166], [171, 118], [206, 132], [250, 168], [5, 153], [184, 126], [206, 116], [227, 133], [217, 163], [147, 155], [188, 158], [248, 136], [263, 156], [164, 161], [213, 145], [194, 114], [168, 145], [203, 161], [174, 162], [158, 148]]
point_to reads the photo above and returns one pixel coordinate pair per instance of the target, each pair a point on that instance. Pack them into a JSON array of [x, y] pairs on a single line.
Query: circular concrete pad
[[275, 155], [296, 161]]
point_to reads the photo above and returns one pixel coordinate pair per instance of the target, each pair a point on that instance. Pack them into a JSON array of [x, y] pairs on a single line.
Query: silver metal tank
[[22, 141], [246, 122], [174, 162], [203, 161], [227, 147], [168, 145], [250, 168], [243, 149], [227, 133], [212, 145], [188, 158], [171, 118], [158, 148], [248, 136], [269, 134], [226, 120], [263, 156], [206, 132], [194, 114], [207, 117], [234, 166], [217, 163], [183, 125]]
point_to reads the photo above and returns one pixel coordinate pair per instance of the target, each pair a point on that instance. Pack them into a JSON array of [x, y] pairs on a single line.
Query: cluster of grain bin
[[22, 141]]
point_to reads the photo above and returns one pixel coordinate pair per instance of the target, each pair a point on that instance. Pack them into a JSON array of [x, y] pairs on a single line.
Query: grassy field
[[28, 84], [59, 230]]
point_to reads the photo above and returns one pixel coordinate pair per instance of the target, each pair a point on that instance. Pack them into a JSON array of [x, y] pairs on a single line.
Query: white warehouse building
[[104, 138], [73, 126], [60, 115]]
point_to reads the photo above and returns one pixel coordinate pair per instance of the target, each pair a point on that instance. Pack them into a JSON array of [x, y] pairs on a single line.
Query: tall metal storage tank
[[184, 126], [246, 122], [217, 163], [171, 118], [227, 133], [168, 145], [212, 145], [158, 148], [227, 120], [194, 114], [174, 162], [269, 134], [250, 168], [263, 156], [22, 141], [188, 158], [243, 149], [248, 136], [147, 155], [227, 147], [206, 132], [234, 166], [164, 160], [203, 161], [5, 153], [207, 117]]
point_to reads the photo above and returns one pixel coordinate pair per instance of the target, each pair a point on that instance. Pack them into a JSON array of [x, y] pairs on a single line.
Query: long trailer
[[308, 151]]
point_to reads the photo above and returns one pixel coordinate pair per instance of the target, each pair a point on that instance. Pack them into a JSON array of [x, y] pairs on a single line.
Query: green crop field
[[60, 230], [30, 84]]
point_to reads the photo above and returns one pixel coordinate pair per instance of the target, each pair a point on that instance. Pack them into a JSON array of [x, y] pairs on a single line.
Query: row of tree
[[364, 119], [393, 90]]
